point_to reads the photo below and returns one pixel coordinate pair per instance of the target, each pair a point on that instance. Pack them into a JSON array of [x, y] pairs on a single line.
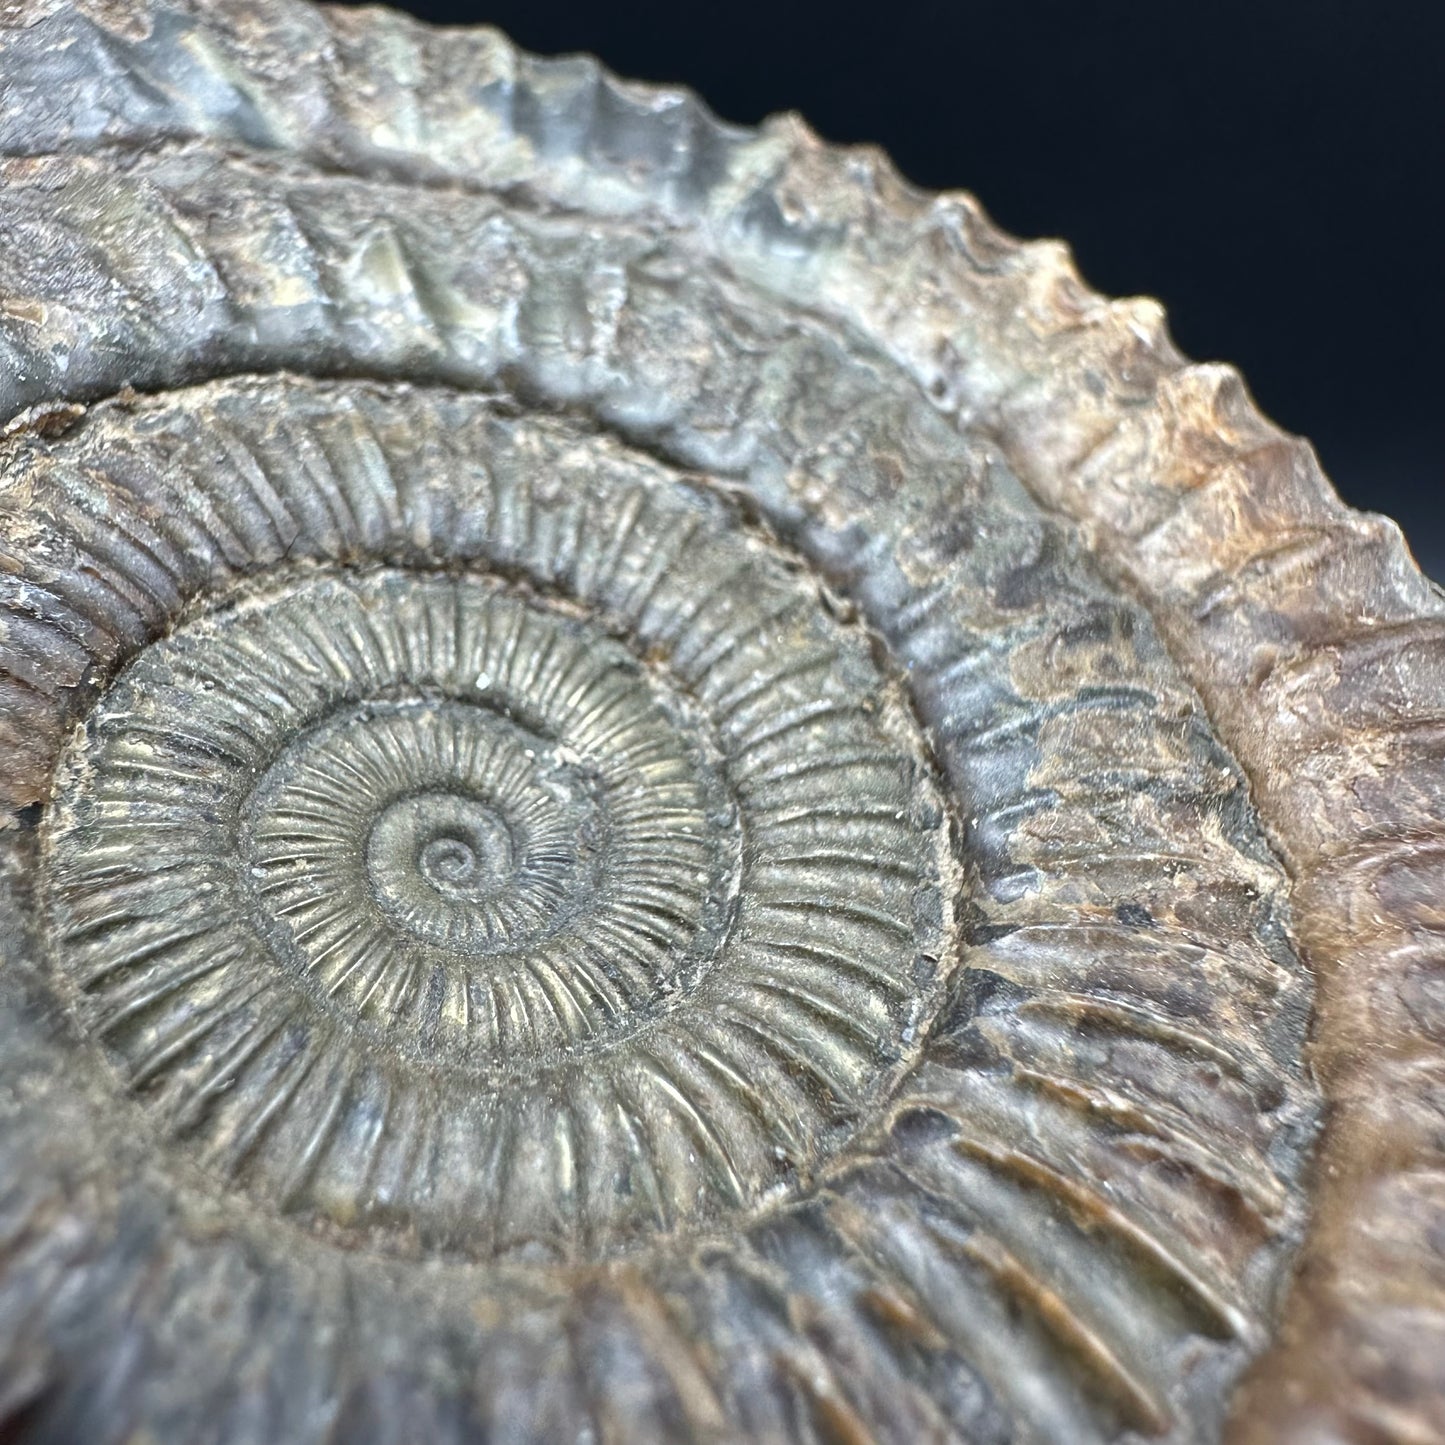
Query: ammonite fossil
[[659, 789]]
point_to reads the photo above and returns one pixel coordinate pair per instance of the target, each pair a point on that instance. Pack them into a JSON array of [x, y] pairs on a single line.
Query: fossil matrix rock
[[659, 789]]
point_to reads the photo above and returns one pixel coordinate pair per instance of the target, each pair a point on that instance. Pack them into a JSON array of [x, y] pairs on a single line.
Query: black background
[[1273, 172]]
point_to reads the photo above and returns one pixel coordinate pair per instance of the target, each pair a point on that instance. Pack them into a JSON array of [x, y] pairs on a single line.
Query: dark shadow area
[[1274, 173]]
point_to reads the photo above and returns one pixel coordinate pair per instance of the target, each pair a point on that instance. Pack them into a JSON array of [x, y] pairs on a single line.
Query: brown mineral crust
[[1320, 651], [1318, 648]]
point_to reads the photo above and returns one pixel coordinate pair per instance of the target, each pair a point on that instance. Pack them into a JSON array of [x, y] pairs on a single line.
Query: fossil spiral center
[[454, 832], [452, 864], [486, 890], [466, 861], [459, 849], [491, 912]]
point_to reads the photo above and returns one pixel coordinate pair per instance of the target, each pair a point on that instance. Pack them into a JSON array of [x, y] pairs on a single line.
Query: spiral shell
[[627, 751], [556, 901]]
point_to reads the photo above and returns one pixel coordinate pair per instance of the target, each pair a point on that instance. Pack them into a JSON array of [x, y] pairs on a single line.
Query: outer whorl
[[655, 789]]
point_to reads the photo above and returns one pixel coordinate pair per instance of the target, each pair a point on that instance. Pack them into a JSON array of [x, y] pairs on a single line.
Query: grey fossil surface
[[659, 789]]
